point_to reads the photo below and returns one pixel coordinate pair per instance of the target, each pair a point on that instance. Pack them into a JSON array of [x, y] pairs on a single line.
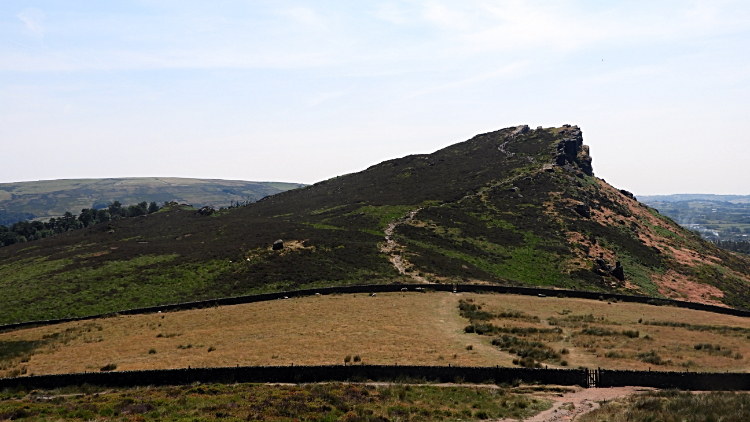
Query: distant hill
[[514, 206], [52, 198], [685, 197]]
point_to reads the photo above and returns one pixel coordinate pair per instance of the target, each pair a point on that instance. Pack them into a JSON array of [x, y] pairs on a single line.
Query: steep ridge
[[514, 206]]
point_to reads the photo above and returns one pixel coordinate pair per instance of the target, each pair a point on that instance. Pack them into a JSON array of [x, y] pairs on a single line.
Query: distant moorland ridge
[[53, 198]]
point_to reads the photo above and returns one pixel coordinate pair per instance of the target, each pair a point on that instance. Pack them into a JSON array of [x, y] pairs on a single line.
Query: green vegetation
[[718, 329], [88, 290], [314, 402], [384, 214], [24, 231], [674, 406]]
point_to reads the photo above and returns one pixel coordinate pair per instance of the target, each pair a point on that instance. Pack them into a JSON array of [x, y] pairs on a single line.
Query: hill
[[687, 197], [52, 198], [514, 206]]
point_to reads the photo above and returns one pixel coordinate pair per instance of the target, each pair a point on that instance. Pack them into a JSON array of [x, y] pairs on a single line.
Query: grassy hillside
[[52, 198], [411, 328], [514, 206]]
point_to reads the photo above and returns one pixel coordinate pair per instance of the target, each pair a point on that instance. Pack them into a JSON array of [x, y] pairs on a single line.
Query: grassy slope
[[470, 227], [412, 328], [675, 406], [52, 198], [316, 402]]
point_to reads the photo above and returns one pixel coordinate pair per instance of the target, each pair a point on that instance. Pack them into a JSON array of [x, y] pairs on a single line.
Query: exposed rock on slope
[[516, 206]]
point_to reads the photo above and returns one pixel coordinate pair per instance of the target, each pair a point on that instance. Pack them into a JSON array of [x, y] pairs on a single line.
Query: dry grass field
[[404, 328]]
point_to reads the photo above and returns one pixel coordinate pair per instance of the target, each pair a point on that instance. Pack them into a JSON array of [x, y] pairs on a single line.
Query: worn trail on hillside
[[569, 406], [395, 250]]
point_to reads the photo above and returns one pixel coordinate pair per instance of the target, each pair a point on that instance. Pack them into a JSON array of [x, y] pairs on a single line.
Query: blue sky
[[302, 91]]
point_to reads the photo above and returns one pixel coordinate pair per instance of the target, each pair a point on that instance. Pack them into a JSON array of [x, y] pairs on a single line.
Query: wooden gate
[[593, 378]]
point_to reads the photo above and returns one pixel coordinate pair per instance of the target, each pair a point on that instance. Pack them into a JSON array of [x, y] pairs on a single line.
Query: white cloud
[[33, 18], [391, 12], [446, 17], [306, 17], [507, 71]]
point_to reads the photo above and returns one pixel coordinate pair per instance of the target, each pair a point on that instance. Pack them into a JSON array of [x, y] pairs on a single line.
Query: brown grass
[[410, 328], [392, 328]]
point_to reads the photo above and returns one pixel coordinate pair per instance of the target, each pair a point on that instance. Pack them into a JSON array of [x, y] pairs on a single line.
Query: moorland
[[515, 206], [47, 199]]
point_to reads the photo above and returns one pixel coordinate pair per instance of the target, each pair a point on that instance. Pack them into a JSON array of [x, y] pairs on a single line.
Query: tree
[[152, 208], [115, 209]]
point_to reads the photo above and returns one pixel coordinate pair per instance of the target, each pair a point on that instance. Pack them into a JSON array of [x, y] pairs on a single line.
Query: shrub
[[347, 359], [211, 349], [651, 357], [525, 349], [714, 349], [529, 362], [631, 333], [598, 331], [472, 311], [152, 351], [563, 363], [108, 367], [359, 359], [470, 347], [564, 351], [481, 415]]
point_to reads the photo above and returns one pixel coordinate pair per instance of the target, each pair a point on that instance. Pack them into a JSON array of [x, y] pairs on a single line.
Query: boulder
[[278, 245], [207, 210], [618, 272], [583, 210]]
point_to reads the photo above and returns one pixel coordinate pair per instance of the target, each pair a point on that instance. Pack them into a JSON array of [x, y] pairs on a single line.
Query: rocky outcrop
[[602, 268], [628, 194], [278, 245], [520, 130], [570, 150]]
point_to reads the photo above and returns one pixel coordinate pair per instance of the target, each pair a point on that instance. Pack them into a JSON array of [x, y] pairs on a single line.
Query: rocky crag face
[[514, 206]]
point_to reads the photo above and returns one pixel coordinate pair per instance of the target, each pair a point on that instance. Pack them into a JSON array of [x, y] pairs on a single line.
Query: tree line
[[741, 246], [27, 231]]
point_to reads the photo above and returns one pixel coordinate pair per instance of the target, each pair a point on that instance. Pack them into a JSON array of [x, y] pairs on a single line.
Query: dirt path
[[394, 250], [569, 406]]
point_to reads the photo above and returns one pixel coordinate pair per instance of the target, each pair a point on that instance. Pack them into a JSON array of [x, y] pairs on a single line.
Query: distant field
[[52, 198], [716, 217], [403, 328]]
